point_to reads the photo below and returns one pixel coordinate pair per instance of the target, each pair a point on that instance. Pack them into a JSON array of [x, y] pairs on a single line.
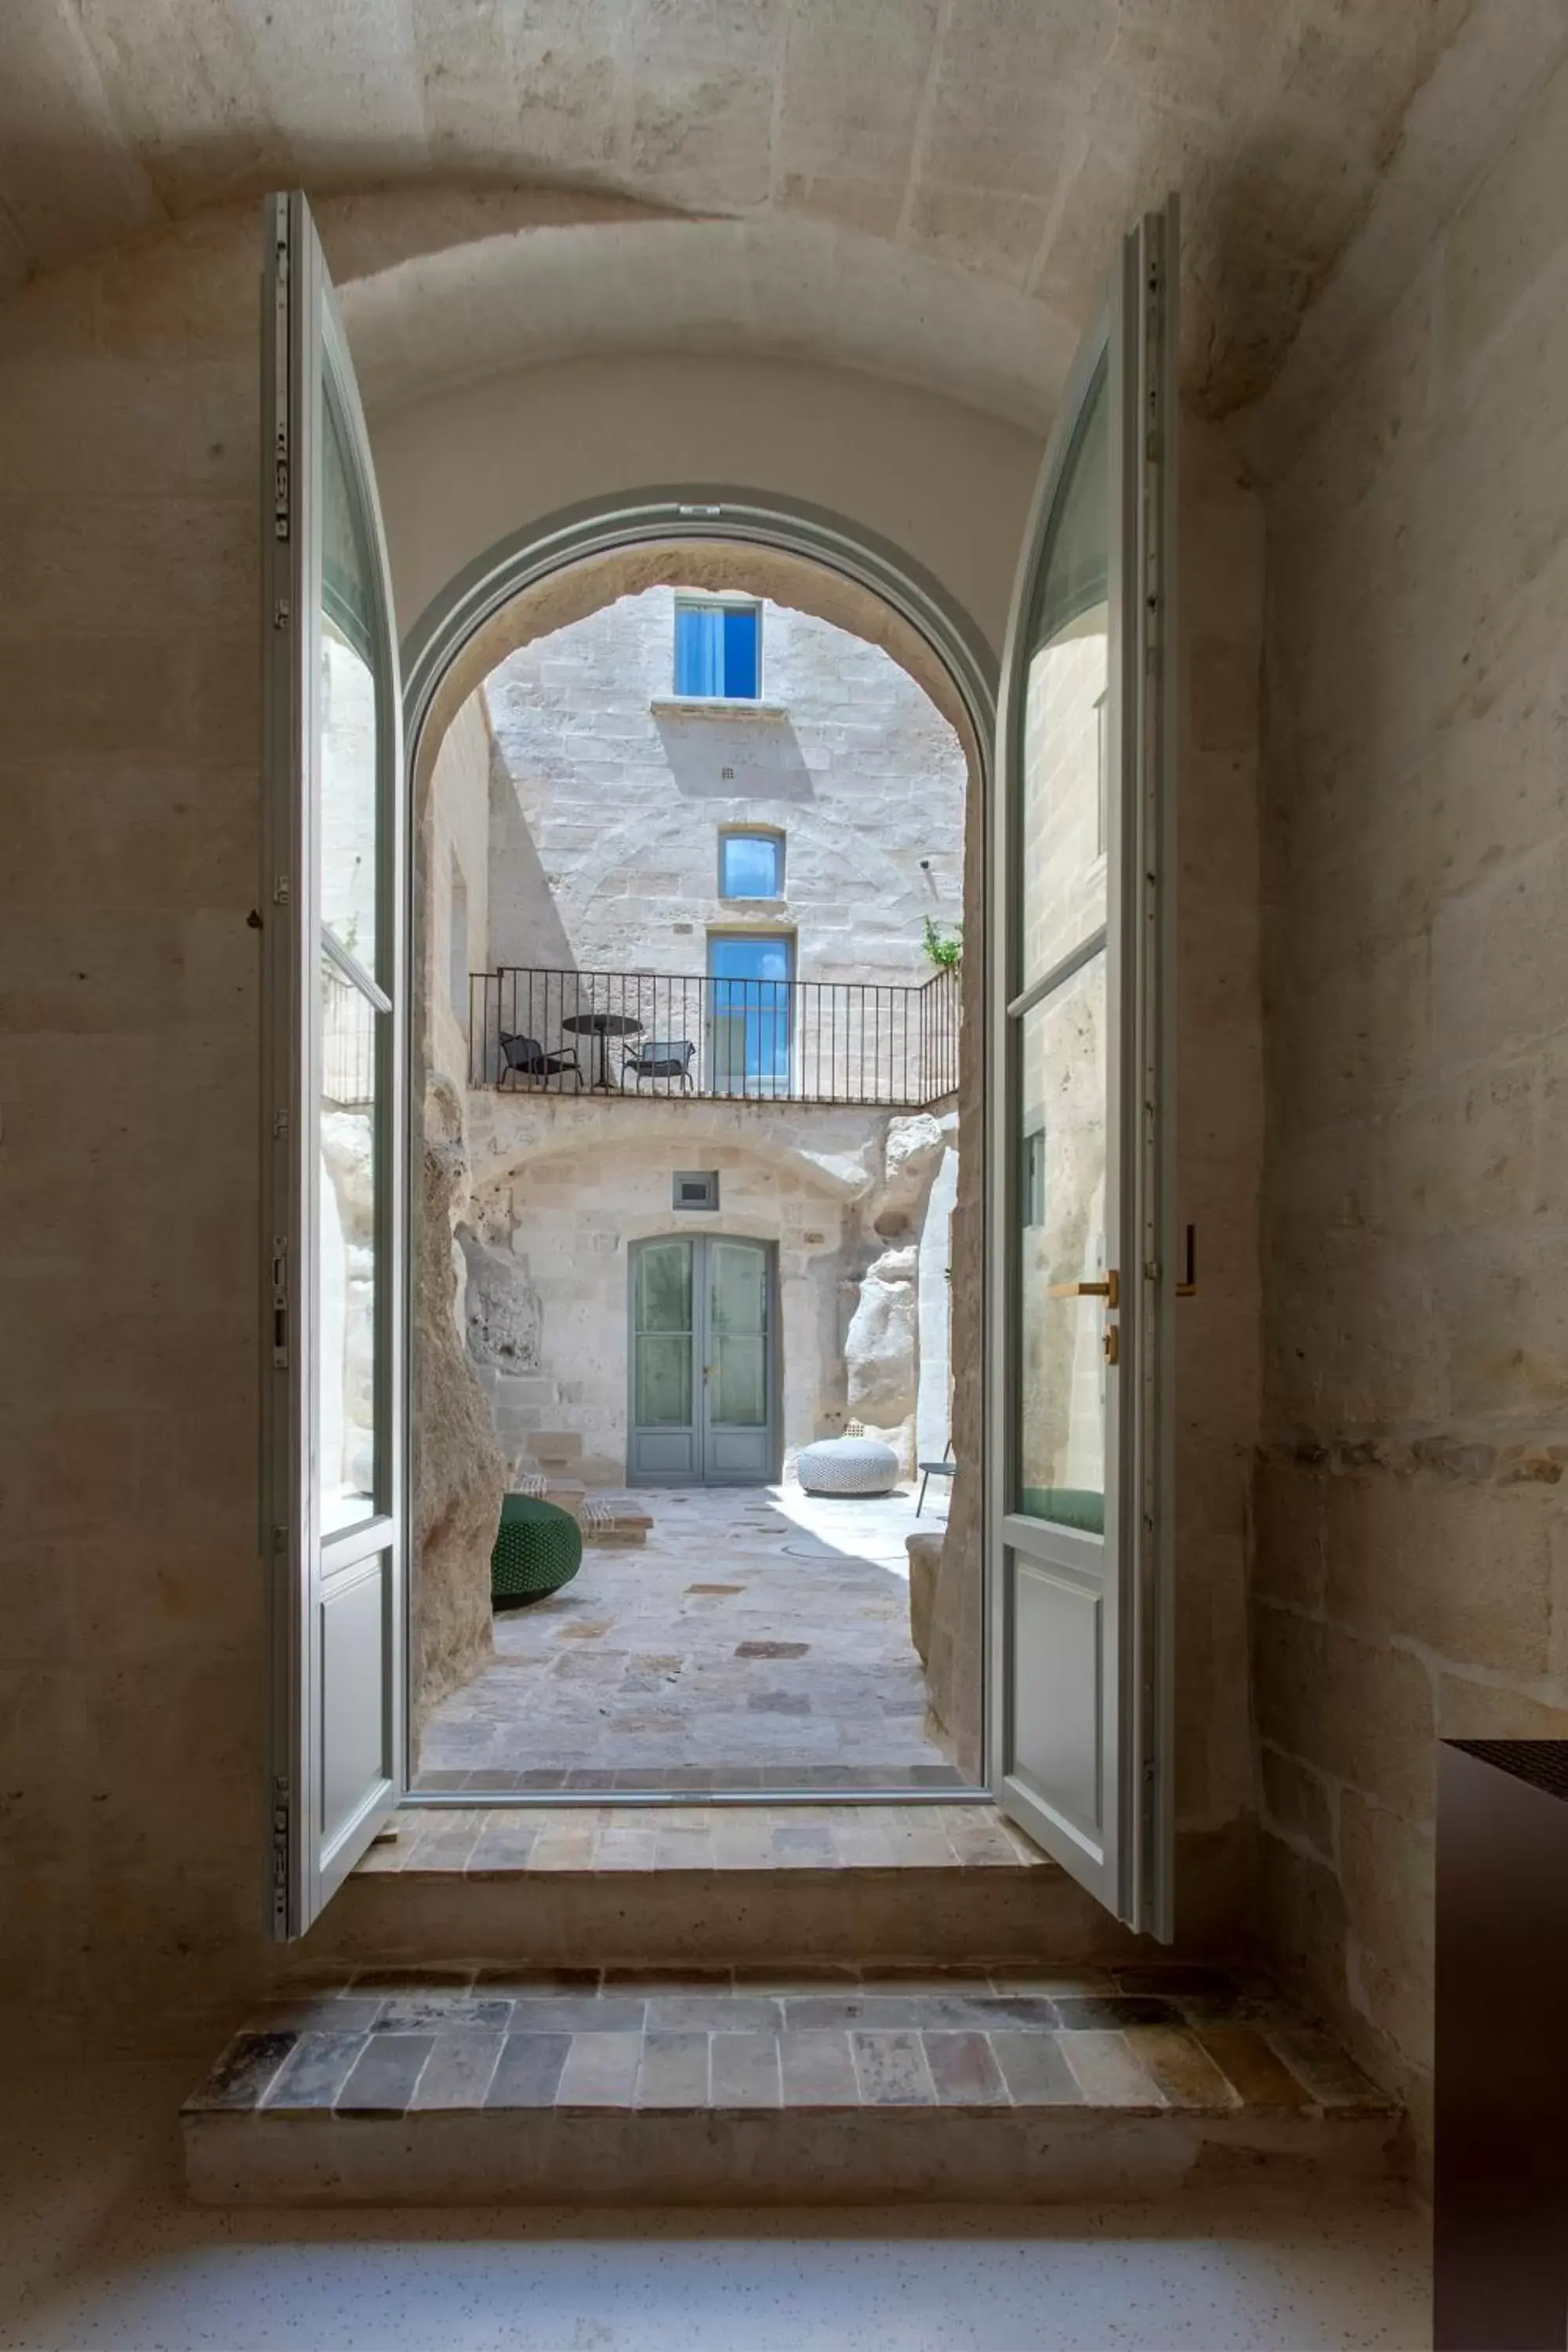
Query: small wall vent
[[697, 1188]]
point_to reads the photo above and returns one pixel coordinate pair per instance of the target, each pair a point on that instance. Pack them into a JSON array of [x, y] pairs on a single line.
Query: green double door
[[703, 1382]]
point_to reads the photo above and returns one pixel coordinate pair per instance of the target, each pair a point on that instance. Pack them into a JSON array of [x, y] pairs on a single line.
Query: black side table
[[1499, 2255]]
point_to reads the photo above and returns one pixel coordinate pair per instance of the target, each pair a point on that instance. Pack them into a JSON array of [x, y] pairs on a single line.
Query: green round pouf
[[538, 1548]]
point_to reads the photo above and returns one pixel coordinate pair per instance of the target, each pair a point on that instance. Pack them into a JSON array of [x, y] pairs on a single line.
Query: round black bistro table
[[603, 1026]]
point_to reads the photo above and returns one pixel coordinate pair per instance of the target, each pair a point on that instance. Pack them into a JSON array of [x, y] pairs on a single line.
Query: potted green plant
[[944, 944]]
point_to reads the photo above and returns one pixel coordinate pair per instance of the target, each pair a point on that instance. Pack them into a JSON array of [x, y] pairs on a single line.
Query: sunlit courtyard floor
[[758, 1639]]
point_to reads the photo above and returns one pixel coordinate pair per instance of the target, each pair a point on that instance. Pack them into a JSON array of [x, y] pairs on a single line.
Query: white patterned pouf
[[848, 1466]]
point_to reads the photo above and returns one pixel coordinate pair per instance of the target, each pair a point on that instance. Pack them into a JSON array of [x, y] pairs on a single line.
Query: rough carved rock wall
[[459, 1474]]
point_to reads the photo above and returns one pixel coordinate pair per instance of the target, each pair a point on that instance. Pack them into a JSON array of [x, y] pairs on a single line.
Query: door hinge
[[282, 1809], [280, 889], [280, 1306]]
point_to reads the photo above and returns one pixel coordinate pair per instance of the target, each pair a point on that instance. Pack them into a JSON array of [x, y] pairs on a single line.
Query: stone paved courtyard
[[760, 1639]]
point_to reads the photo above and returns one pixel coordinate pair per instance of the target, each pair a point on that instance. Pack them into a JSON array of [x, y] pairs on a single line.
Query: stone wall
[[454, 887], [1410, 1548], [563, 1186], [458, 1472], [133, 1662], [623, 789]]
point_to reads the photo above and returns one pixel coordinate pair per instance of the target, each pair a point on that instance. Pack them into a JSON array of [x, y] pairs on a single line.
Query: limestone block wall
[[1218, 1169], [454, 886], [621, 791], [1411, 1534], [131, 1653]]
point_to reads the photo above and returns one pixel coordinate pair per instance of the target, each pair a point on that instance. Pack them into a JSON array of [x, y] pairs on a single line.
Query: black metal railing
[[653, 1033], [348, 1042]]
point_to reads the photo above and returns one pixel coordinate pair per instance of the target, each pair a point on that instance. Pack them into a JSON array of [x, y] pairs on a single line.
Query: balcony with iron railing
[[643, 1035]]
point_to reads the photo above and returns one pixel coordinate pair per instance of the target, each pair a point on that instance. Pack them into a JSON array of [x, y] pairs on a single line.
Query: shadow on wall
[[525, 925], [732, 754]]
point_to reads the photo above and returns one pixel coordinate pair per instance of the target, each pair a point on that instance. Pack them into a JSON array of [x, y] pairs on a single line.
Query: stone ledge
[[714, 705], [918, 2081]]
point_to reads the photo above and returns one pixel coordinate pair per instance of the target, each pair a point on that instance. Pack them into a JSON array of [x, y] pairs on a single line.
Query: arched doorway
[[724, 545]]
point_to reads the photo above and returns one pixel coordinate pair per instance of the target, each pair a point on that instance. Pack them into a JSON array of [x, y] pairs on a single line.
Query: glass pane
[[349, 709], [737, 1318], [664, 1287], [750, 865], [1063, 878], [751, 1013], [699, 649], [738, 1395], [1061, 1371], [663, 1383], [346, 1401], [738, 1281], [742, 647]]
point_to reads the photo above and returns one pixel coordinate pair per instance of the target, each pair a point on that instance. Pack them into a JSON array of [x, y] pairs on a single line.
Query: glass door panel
[[336, 1141], [347, 1386], [350, 718], [1061, 1368], [738, 1334], [750, 1024], [1063, 879], [664, 1336], [664, 1442], [1078, 1105]]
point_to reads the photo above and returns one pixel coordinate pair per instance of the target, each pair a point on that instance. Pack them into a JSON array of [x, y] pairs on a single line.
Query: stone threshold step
[[667, 2087], [692, 1835], [703, 1884]]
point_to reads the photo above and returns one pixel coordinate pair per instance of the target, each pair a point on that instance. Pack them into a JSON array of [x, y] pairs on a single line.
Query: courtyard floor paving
[[758, 1639]]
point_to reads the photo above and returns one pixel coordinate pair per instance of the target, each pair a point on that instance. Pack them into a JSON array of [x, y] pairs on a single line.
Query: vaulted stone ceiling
[[997, 146]]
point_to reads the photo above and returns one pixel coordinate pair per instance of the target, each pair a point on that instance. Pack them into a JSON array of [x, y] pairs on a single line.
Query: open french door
[[334, 1098], [1081, 1104]]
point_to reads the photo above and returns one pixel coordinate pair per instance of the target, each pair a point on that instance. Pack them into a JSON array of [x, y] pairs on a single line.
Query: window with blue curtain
[[750, 865], [719, 651]]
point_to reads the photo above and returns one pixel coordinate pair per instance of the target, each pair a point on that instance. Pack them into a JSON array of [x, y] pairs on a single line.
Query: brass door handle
[[1110, 1289]]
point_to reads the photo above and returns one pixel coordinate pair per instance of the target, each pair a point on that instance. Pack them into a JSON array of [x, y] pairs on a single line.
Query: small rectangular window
[[750, 865], [697, 1188], [719, 651]]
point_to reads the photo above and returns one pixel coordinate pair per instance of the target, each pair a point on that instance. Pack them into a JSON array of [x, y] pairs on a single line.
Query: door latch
[[1110, 1289], [1189, 1281], [281, 1306]]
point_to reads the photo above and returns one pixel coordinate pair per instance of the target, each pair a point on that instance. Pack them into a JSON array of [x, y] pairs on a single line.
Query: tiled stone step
[[705, 1884], [665, 2088], [610, 1519]]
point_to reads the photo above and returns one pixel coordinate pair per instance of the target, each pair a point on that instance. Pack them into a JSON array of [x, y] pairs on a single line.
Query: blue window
[[750, 865], [719, 651]]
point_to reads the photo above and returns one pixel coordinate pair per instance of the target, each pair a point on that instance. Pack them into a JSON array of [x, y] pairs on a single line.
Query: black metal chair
[[526, 1057], [929, 1470], [660, 1057]]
